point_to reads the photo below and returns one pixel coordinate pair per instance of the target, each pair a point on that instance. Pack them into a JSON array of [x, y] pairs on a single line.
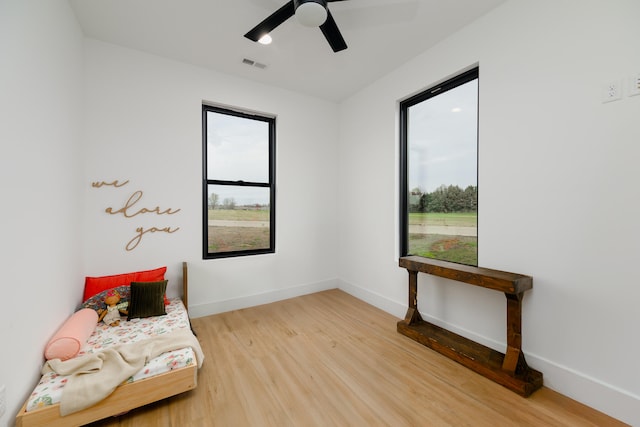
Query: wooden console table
[[509, 369]]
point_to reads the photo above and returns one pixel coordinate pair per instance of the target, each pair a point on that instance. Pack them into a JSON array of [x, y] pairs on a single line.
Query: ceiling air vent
[[254, 63]]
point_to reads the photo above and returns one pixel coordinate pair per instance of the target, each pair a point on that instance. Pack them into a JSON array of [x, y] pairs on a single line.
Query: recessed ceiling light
[[456, 110], [266, 39]]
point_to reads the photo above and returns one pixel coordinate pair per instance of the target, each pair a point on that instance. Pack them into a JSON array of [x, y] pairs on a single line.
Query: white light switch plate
[[634, 85]]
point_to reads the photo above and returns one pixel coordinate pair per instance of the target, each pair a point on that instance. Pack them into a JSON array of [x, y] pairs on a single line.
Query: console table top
[[509, 283]]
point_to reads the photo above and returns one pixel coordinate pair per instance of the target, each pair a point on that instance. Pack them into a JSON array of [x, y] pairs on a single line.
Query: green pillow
[[147, 299]]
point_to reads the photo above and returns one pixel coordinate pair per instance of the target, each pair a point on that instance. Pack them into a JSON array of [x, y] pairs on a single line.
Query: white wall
[[40, 175], [143, 124], [557, 185]]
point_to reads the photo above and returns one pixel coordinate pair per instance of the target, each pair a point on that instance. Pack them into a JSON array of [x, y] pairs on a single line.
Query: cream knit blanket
[[93, 377]]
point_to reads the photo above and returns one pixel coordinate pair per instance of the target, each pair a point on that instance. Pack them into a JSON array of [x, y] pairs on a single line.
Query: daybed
[[180, 368]]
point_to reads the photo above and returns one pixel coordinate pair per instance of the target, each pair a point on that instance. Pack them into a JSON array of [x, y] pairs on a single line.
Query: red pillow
[[156, 275], [95, 285]]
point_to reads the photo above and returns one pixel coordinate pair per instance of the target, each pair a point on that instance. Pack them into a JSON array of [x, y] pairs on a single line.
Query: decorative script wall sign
[[131, 209]]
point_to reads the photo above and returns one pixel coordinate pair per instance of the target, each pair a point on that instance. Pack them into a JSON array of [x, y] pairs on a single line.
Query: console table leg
[[413, 315], [513, 356]]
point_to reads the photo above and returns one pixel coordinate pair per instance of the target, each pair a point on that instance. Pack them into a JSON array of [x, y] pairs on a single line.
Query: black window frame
[[271, 121], [458, 80]]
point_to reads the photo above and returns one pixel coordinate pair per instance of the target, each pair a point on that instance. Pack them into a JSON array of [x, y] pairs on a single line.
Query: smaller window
[[239, 184]]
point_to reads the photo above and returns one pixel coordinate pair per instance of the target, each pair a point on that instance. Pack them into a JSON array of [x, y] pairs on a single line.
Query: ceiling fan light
[[311, 14], [266, 39]]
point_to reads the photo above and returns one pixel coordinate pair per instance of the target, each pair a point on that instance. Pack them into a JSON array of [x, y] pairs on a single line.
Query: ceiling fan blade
[[332, 33], [271, 22]]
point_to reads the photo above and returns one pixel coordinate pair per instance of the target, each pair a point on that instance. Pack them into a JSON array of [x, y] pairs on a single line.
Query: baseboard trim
[[207, 309], [617, 403], [392, 307]]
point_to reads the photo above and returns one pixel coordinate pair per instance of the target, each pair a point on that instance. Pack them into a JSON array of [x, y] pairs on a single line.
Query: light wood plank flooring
[[329, 359]]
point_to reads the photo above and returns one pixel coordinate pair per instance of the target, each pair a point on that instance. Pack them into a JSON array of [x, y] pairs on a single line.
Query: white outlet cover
[[612, 91], [3, 400]]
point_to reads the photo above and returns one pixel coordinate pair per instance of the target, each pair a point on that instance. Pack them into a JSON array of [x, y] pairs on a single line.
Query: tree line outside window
[[445, 199]]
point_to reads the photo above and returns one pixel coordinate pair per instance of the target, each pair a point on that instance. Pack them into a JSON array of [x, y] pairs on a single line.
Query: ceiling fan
[[311, 13]]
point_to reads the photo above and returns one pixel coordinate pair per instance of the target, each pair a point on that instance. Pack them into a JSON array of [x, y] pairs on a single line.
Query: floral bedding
[[49, 389]]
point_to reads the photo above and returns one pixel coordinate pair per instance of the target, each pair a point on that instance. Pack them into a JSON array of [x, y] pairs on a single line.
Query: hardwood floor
[[329, 359]]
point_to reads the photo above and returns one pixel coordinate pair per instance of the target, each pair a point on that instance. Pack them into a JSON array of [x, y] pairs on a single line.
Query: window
[[239, 183], [439, 171]]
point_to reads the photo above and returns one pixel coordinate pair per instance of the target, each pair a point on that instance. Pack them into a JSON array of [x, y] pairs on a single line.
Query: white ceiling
[[380, 35]]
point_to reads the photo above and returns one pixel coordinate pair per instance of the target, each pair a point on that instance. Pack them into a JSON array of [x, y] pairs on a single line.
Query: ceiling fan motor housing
[[311, 13]]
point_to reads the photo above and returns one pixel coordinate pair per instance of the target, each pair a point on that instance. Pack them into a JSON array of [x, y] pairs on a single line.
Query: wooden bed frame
[[125, 398]]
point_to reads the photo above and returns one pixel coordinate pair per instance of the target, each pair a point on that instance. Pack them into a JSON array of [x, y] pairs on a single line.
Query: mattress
[[48, 391]]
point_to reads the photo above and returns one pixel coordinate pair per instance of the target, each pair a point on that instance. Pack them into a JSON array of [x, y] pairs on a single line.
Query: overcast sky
[[443, 139], [238, 149]]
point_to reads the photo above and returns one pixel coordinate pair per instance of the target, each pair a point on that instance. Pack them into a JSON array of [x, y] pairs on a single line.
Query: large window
[[239, 183], [439, 171]]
